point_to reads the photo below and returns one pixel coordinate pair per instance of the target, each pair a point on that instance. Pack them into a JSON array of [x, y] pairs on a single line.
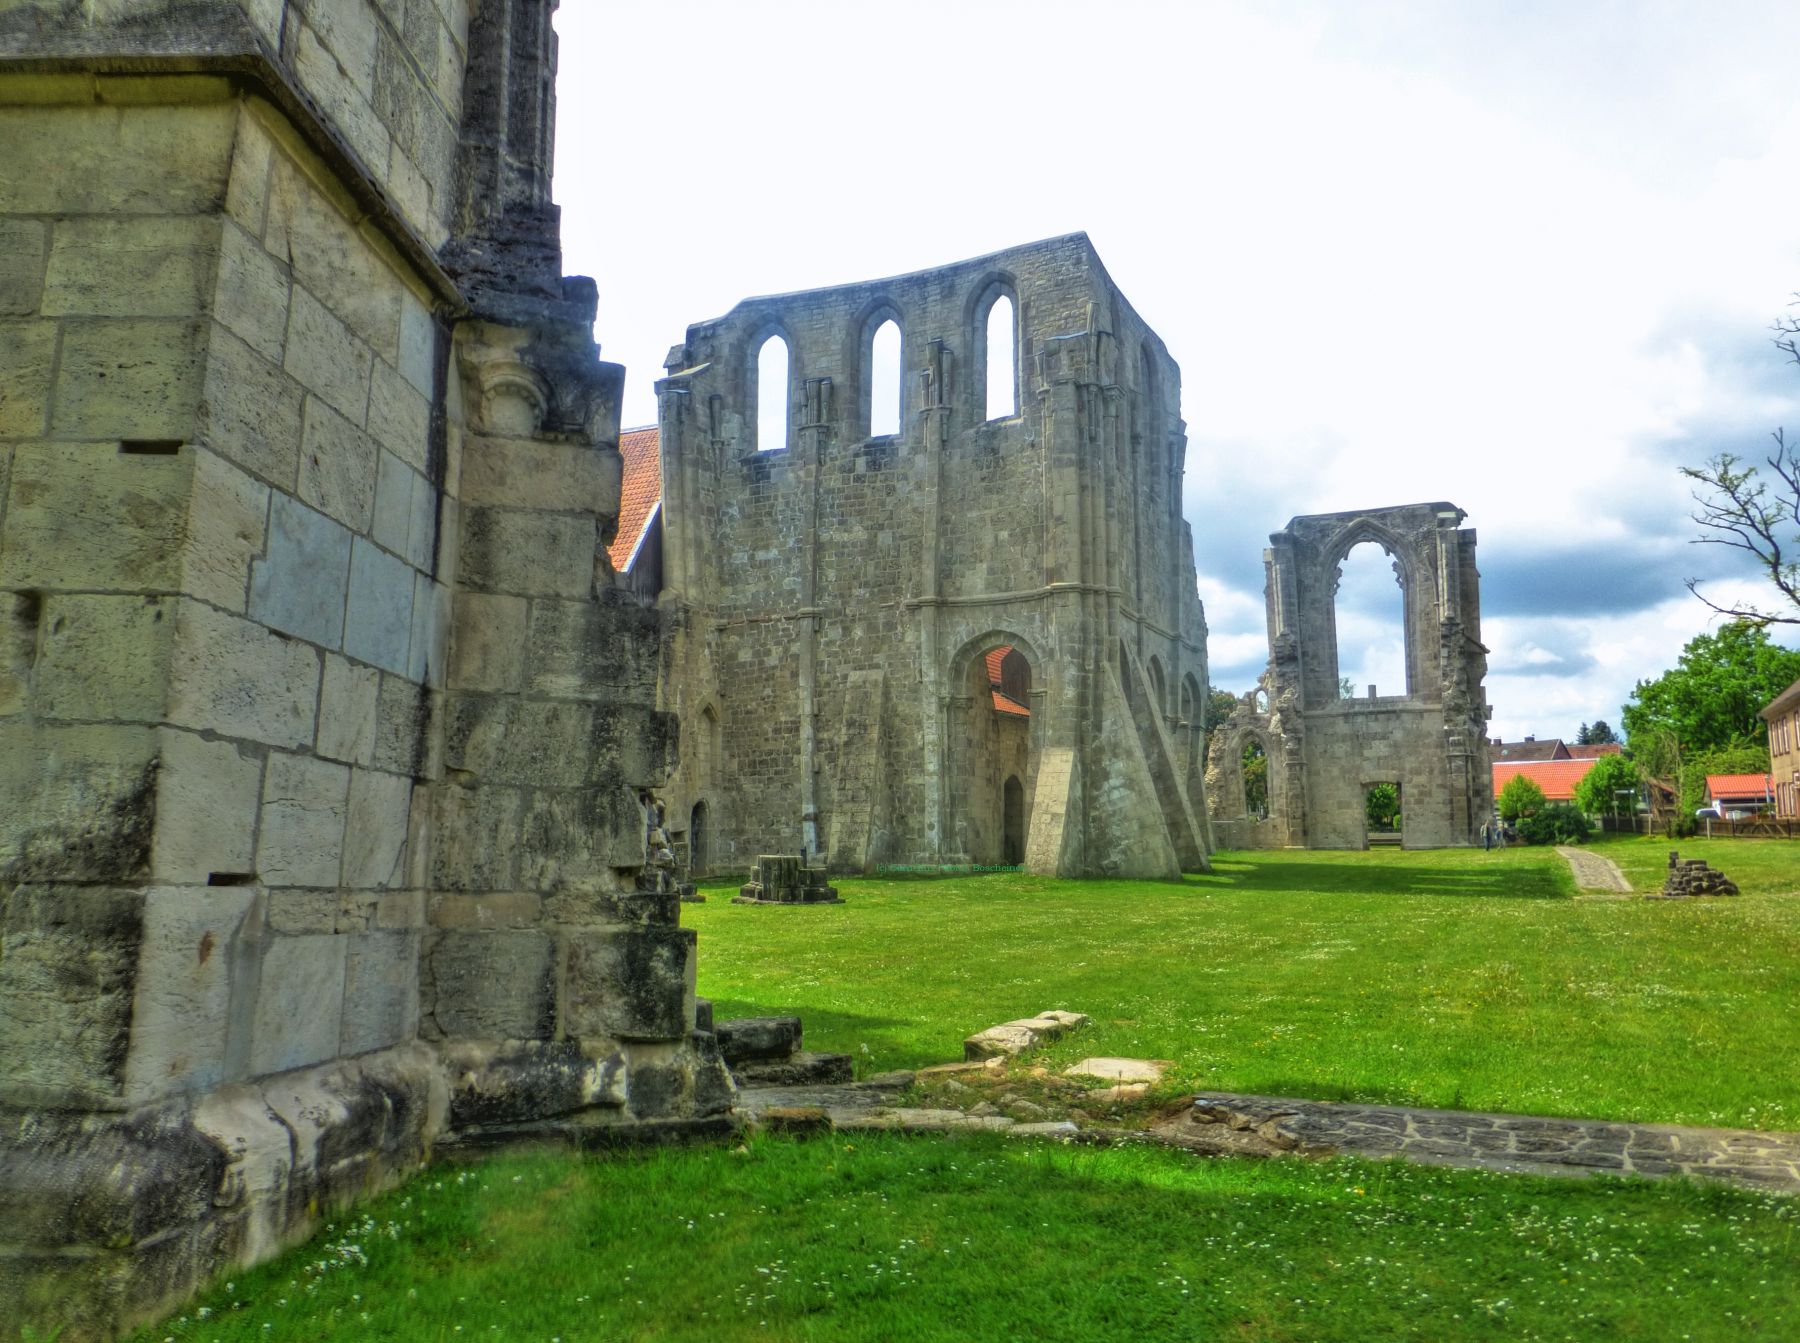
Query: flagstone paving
[[1594, 872]]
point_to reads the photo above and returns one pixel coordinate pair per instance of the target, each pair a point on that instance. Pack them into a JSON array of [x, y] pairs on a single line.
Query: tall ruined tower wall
[[322, 729], [837, 592]]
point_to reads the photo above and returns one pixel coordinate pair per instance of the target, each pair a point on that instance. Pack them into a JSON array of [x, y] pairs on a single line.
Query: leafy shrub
[[1558, 823], [1520, 797]]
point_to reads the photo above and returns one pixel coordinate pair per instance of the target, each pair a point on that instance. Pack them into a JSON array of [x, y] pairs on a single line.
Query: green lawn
[[892, 1239], [1450, 978]]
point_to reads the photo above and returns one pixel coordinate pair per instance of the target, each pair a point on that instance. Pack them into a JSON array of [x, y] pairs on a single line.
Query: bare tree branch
[[1739, 508]]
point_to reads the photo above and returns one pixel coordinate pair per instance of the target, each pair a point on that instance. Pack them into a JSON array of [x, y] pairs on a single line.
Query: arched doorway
[[698, 858], [1012, 822]]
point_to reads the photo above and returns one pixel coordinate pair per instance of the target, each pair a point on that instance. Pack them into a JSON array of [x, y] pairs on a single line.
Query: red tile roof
[[1595, 751], [1738, 787], [994, 658], [639, 493], [1004, 703], [1556, 777]]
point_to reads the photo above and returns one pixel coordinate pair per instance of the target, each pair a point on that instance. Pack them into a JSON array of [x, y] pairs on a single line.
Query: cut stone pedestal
[[766, 1052], [783, 879]]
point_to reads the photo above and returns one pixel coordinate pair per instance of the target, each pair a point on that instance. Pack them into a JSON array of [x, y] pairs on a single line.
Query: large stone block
[[207, 795], [27, 360], [378, 619], [505, 739], [604, 649], [129, 379], [399, 416], [104, 658], [493, 985], [429, 657], [394, 482], [77, 803], [404, 741], [93, 518], [554, 477], [337, 467], [252, 294], [326, 357], [528, 553], [250, 411], [192, 935], [381, 991], [629, 983], [68, 976], [95, 160], [578, 836], [22, 245], [300, 586], [530, 1080], [227, 528], [236, 678], [304, 809], [474, 838], [347, 705], [299, 1003], [376, 835], [130, 266], [488, 644]]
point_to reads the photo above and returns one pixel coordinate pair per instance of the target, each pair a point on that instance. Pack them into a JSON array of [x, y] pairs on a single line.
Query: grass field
[[1448, 978], [891, 1239]]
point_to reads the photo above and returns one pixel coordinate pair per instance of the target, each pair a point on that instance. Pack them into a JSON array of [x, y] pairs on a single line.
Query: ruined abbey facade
[[1324, 749], [942, 617]]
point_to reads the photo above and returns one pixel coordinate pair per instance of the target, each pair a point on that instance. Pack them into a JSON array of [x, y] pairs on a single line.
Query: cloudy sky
[[1521, 255]]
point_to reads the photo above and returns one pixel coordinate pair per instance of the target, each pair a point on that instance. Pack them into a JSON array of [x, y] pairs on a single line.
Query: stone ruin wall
[[832, 597], [322, 727], [1323, 750]]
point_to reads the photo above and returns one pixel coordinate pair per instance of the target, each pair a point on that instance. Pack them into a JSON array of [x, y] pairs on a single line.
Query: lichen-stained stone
[[300, 586], [347, 708], [528, 1079], [399, 415], [77, 802], [22, 248], [227, 528], [565, 640], [379, 616], [492, 985], [375, 837], [304, 808], [405, 741], [429, 656], [488, 648], [299, 1003], [549, 554], [207, 796], [331, 260], [474, 832], [579, 836], [131, 266], [68, 974], [132, 378], [629, 983], [104, 658], [337, 467], [181, 1016], [250, 411], [234, 677], [94, 160], [89, 517], [381, 991], [505, 739], [522, 473]]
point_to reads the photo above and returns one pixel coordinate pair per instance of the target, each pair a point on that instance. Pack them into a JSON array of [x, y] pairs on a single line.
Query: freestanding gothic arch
[[1325, 750]]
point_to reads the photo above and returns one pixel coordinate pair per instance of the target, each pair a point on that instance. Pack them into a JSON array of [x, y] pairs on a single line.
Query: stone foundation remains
[[1324, 750], [1691, 876], [322, 722], [785, 879], [942, 615]]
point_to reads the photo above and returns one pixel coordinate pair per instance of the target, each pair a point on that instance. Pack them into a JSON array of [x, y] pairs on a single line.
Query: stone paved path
[[1268, 1126], [1595, 873]]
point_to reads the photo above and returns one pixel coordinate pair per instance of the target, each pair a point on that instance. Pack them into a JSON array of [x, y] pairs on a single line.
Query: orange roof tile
[[1720, 787], [1007, 704], [994, 658], [1556, 777], [639, 492]]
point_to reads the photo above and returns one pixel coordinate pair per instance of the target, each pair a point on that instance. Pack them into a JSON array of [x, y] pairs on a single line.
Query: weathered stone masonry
[[322, 724], [834, 596], [1324, 751]]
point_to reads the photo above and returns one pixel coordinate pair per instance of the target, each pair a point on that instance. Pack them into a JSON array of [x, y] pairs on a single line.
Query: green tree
[[1602, 790], [1346, 688], [1256, 780], [1710, 698], [1558, 823], [1382, 806], [1520, 797], [1596, 734], [1219, 707]]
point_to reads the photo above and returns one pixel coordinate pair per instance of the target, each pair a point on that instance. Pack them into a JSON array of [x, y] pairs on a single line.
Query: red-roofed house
[[1010, 676], [636, 551], [1782, 714], [1556, 777], [1551, 748], [1595, 751], [1744, 792]]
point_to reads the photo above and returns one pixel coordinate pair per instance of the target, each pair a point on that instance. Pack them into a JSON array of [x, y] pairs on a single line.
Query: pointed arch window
[[772, 394], [1000, 336], [884, 380]]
